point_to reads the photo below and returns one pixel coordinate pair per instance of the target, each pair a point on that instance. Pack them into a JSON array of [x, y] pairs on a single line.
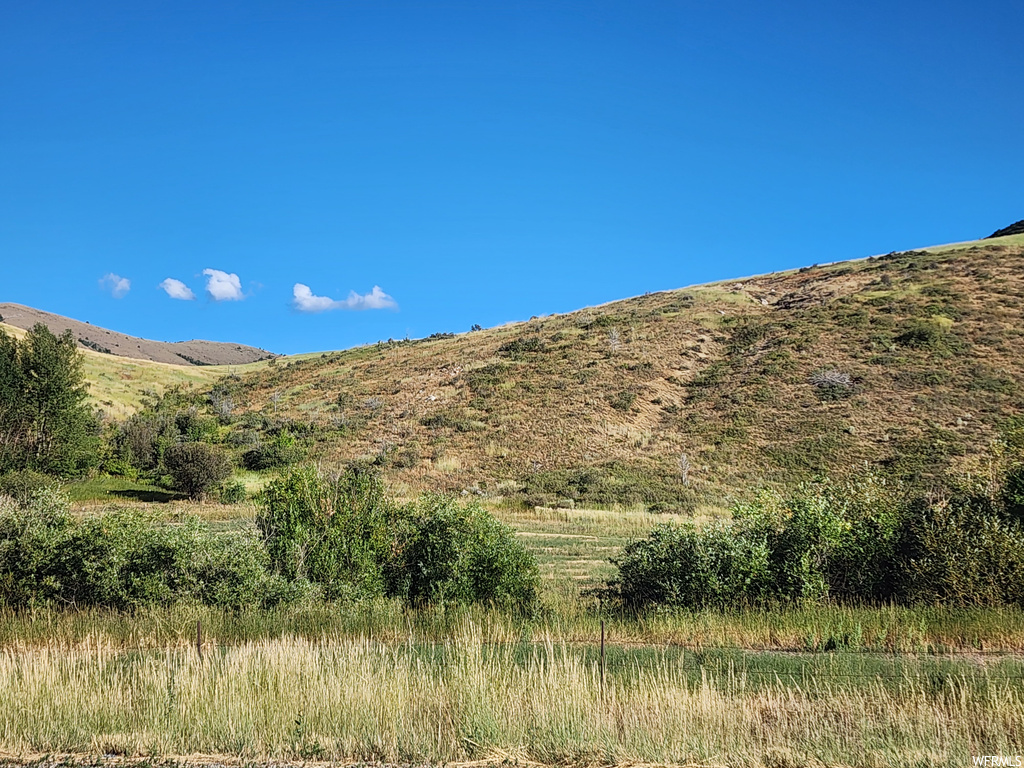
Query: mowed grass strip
[[366, 700]]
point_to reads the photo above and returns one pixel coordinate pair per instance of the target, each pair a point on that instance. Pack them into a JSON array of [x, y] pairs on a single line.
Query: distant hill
[[1013, 229], [193, 352]]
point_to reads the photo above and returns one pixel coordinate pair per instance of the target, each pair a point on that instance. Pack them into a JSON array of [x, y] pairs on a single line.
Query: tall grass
[[463, 699], [927, 631]]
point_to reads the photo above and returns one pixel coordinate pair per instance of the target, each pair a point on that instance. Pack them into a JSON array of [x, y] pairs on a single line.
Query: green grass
[[107, 489]]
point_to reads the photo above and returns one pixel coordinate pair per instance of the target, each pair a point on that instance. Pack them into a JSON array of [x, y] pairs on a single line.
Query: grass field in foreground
[[377, 681], [466, 699]]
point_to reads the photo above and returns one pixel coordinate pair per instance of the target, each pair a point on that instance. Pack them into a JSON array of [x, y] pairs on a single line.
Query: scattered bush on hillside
[[658, 489], [281, 451], [197, 467], [831, 384], [930, 334], [517, 348], [622, 400]]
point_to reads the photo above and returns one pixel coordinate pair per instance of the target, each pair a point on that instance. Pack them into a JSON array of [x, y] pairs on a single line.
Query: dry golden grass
[[363, 699]]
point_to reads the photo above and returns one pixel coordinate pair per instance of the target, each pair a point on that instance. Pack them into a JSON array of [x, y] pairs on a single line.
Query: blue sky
[[408, 168]]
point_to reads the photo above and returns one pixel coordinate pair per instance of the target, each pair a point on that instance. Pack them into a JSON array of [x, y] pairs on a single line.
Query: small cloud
[[305, 301], [177, 289], [117, 285], [223, 286]]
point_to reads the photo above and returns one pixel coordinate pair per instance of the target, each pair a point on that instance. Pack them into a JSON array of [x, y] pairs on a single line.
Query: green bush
[[961, 552], [923, 334], [346, 537], [860, 542], [232, 493], [683, 566], [282, 450], [123, 560], [517, 348], [337, 533], [196, 467], [462, 554], [22, 484]]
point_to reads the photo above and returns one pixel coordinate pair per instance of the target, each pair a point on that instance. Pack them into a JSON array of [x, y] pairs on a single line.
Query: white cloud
[[117, 285], [223, 286], [177, 289], [305, 301]]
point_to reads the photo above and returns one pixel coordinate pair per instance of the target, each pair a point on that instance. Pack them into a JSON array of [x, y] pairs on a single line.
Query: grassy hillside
[[117, 385], [910, 361]]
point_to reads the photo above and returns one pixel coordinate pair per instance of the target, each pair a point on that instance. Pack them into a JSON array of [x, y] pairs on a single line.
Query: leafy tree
[[197, 467], [45, 422], [12, 404]]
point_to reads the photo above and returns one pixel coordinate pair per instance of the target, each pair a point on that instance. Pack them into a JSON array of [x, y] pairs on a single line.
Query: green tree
[[12, 404], [197, 467], [45, 422]]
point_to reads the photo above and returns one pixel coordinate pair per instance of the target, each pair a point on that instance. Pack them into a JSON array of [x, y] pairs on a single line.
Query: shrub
[[462, 554], [924, 334], [282, 452], [519, 347], [22, 484], [196, 467], [123, 560], [858, 543], [622, 400], [193, 427], [658, 488], [684, 566], [337, 533], [961, 552], [832, 384], [232, 493], [347, 538]]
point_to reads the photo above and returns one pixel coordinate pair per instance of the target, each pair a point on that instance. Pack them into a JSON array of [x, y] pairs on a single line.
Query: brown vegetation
[[909, 361]]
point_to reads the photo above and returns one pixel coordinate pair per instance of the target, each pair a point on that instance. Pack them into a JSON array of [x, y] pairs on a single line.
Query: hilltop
[[194, 352], [908, 362], [1013, 229]]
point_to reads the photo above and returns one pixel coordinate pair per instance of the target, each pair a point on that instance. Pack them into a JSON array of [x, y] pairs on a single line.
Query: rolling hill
[[908, 362], [195, 352]]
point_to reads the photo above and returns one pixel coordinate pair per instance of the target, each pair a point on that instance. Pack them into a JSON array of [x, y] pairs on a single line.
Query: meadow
[[469, 698], [378, 681]]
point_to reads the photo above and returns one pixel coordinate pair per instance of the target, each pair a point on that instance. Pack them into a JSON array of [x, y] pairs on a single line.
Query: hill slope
[[195, 352], [118, 386], [909, 361]]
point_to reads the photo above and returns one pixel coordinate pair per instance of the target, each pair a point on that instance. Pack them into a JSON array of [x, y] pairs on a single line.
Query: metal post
[[602, 658], [199, 639]]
